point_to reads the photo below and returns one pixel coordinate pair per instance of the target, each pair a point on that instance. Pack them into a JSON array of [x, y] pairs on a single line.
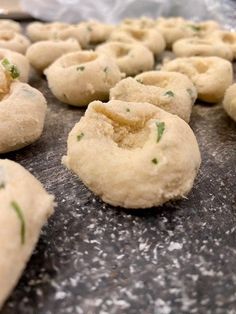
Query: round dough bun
[[171, 91], [130, 58], [133, 155], [19, 60], [149, 37], [22, 114], [99, 32], [143, 22], [7, 25], [54, 48], [229, 102], [13, 41], [80, 77], [226, 37], [206, 47], [20, 194], [210, 75]]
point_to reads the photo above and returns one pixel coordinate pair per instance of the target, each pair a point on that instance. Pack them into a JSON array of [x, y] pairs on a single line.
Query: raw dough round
[[20, 61], [194, 46], [13, 41], [226, 37], [22, 114], [229, 102], [99, 32], [7, 25], [151, 38], [133, 155], [130, 58], [143, 22], [210, 75], [171, 91], [24, 208], [43, 53], [78, 78]]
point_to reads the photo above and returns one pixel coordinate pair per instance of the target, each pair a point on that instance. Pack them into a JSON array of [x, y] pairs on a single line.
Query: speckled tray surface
[[96, 259]]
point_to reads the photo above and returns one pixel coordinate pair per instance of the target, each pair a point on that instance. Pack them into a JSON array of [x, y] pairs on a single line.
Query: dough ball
[[151, 38], [130, 58], [133, 155], [22, 114], [205, 47], [79, 32], [226, 37], [13, 41], [80, 77], [99, 32], [43, 53], [143, 22], [210, 75], [171, 91], [24, 208], [20, 61], [11, 25], [229, 102], [38, 31]]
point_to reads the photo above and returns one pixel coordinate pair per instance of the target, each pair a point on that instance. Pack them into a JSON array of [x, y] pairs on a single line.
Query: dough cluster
[[229, 102]]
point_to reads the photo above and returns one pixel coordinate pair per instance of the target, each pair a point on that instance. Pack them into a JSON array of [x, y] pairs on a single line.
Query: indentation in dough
[[127, 133], [201, 66], [77, 59], [228, 39], [6, 36], [121, 51], [137, 34]]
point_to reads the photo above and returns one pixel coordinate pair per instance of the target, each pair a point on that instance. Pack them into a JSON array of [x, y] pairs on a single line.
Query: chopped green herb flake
[[127, 109], [2, 185], [105, 69], [195, 28], [154, 161], [140, 81], [191, 94], [11, 68], [169, 93], [81, 68], [80, 136], [89, 28], [160, 130], [20, 215]]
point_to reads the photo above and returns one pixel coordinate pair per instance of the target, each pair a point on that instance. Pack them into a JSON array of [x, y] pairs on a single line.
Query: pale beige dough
[[19, 188], [151, 38], [171, 91], [130, 58], [143, 22], [204, 47], [19, 60], [78, 78], [14, 41], [99, 32], [22, 114], [133, 155], [226, 37], [6, 24], [229, 102], [210, 75], [43, 53]]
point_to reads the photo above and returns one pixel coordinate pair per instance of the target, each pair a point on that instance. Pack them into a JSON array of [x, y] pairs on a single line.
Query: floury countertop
[[96, 259]]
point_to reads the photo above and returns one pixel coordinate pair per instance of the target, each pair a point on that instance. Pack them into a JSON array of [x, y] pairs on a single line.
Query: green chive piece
[[154, 161], [169, 93], [89, 28], [81, 68], [20, 215], [80, 136], [105, 69], [140, 81], [2, 185], [127, 109], [11, 68], [195, 28], [160, 130]]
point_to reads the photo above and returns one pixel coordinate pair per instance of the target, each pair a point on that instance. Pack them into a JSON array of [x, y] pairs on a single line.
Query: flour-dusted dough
[[171, 91], [24, 208], [19, 60], [226, 37], [38, 31], [211, 75], [13, 41], [22, 114], [142, 22], [133, 155], [43, 53], [205, 47], [149, 37], [78, 78], [6, 24], [229, 102], [99, 32], [130, 58]]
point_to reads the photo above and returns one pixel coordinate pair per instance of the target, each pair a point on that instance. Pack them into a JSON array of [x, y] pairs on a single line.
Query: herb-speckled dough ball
[[43, 53], [24, 208], [210, 75], [13, 41], [133, 155], [99, 32], [204, 47], [171, 91], [6, 24], [149, 37], [22, 114], [38, 31], [131, 58], [19, 60], [80, 77], [229, 102]]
